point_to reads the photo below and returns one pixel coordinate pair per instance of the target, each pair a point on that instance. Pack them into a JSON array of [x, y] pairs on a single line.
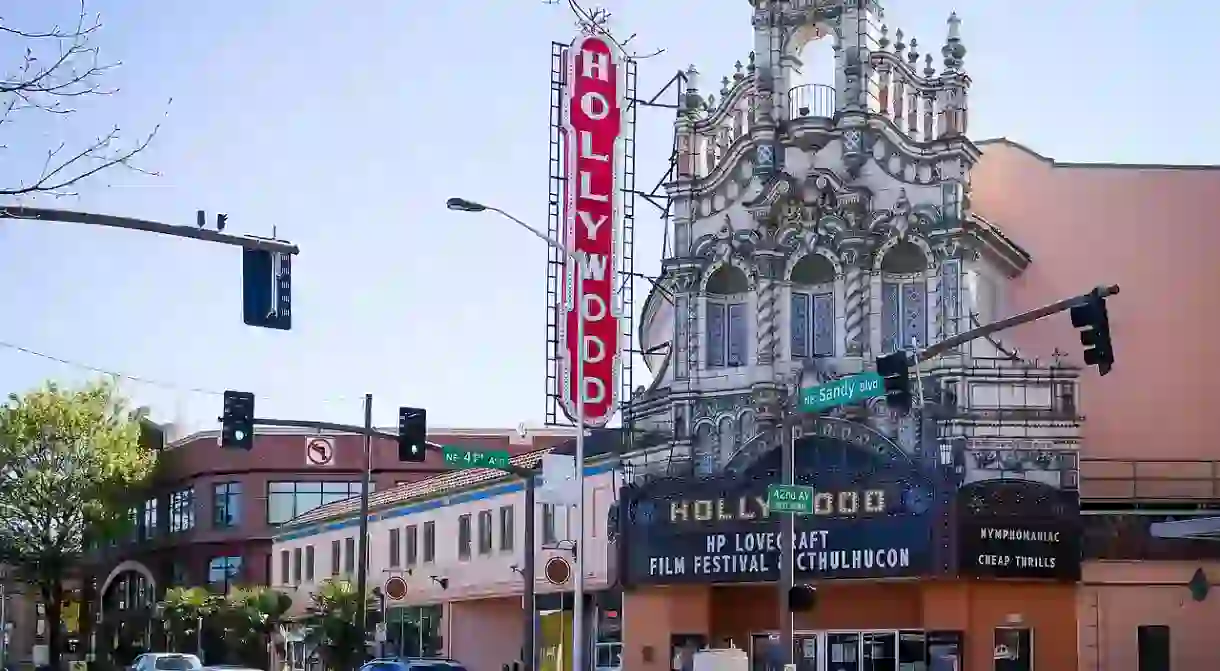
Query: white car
[[166, 661]]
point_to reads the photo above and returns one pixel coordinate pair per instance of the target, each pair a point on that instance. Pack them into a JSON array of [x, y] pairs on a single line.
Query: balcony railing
[[1149, 479], [811, 101]]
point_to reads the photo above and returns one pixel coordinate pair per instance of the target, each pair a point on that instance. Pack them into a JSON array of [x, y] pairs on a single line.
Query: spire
[[953, 51]]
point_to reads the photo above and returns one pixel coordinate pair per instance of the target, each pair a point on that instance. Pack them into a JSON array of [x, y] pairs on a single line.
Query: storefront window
[[912, 651], [1152, 641], [414, 631], [879, 651], [1013, 649]]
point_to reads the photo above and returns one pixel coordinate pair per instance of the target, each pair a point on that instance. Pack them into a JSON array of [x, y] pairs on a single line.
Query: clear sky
[[346, 125]]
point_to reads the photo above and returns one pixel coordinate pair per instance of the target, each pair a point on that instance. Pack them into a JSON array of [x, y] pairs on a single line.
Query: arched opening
[[811, 330], [904, 297], [814, 74], [128, 624], [726, 333]]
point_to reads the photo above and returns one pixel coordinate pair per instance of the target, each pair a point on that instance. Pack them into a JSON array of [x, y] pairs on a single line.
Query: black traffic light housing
[[802, 598], [895, 371], [1093, 321], [412, 434], [237, 421]]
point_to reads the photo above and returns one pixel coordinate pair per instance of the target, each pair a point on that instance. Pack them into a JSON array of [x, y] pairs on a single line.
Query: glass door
[[843, 652], [879, 651], [805, 651]]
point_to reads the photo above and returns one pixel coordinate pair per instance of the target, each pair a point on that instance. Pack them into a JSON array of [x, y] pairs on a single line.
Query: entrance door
[[843, 652], [764, 652]]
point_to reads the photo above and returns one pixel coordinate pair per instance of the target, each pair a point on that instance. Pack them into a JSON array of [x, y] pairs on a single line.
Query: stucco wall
[[485, 634], [1150, 230]]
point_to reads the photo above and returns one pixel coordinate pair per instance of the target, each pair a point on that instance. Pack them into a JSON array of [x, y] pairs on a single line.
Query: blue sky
[[345, 125]]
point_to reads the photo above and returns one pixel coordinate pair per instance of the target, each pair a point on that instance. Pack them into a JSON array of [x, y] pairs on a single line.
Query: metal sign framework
[[625, 272]]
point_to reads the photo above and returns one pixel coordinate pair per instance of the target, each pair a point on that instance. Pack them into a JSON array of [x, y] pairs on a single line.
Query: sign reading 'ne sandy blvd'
[[842, 391]]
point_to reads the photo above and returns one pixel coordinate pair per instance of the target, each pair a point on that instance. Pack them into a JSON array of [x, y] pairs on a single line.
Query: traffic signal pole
[[935, 350], [362, 571], [529, 630], [131, 224]]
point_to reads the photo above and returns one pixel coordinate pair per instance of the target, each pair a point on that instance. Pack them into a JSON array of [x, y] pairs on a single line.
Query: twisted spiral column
[[855, 307], [768, 320]]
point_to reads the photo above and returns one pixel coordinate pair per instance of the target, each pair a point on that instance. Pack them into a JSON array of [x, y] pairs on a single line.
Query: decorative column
[[856, 257], [769, 312]]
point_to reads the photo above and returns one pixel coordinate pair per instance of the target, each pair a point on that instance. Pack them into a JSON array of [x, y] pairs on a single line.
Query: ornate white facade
[[811, 223]]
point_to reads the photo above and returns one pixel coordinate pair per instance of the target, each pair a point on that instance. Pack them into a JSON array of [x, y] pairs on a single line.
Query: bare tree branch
[[596, 21], [61, 64]]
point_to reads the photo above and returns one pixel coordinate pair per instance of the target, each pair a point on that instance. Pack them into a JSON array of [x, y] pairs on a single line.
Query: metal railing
[[1149, 479], [811, 101]]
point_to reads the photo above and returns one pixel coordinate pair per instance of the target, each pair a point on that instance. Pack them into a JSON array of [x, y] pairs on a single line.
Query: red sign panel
[[593, 130]]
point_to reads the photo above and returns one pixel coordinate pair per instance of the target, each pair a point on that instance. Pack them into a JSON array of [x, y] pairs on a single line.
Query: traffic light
[[802, 598], [895, 372], [237, 422], [412, 434], [1094, 324]]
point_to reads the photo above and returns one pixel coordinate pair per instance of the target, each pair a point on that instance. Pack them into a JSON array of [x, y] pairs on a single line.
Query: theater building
[[816, 226]]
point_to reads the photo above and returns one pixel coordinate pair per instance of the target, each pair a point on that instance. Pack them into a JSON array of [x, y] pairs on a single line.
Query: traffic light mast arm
[[935, 350], [360, 430], [195, 233]]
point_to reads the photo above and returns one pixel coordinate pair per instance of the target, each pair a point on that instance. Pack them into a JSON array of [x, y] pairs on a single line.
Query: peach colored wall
[[485, 634], [1116, 598], [479, 576], [1153, 232]]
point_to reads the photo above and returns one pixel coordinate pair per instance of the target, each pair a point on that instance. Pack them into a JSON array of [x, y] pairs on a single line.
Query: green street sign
[[465, 457], [790, 499], [842, 391]]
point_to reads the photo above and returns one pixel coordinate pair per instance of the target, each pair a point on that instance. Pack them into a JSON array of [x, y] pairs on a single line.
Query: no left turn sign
[[319, 451]]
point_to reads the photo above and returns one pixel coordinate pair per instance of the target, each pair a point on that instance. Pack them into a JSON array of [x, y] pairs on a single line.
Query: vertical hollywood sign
[[592, 123]]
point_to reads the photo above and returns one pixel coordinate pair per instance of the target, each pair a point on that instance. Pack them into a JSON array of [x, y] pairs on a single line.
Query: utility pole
[[362, 571]]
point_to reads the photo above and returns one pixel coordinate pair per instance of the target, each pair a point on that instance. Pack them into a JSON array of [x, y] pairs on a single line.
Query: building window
[[485, 532], [1013, 649], [298, 563], [813, 324], [549, 536], [285, 558], [412, 541], [349, 555], [429, 542], [464, 537], [308, 563], [726, 333], [336, 557], [149, 528], [223, 573], [226, 505], [1152, 647], [182, 510], [903, 313], [506, 528], [286, 500], [395, 548]]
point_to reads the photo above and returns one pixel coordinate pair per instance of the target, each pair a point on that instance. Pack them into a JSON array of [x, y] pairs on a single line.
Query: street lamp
[[578, 592]]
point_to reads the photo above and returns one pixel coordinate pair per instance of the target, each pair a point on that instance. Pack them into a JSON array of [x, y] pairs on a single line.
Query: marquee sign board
[[1018, 529], [593, 131], [873, 514]]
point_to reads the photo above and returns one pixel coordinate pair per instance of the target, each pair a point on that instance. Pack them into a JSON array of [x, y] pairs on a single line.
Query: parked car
[[413, 664], [166, 661], [229, 667]]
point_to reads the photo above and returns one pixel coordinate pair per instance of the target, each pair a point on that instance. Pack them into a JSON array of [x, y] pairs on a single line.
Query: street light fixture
[[578, 592]]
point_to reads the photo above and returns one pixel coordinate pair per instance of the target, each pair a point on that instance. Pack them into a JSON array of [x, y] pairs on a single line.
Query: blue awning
[[1202, 528]]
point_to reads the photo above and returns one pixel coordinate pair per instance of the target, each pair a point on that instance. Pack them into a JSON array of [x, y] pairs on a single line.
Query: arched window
[[812, 308], [904, 297], [727, 341]]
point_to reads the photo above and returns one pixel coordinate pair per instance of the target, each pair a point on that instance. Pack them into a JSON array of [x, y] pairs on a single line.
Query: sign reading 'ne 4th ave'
[[846, 390], [593, 131], [464, 457]]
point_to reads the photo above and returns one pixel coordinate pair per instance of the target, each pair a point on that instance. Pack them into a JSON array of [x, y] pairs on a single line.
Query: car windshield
[[176, 663]]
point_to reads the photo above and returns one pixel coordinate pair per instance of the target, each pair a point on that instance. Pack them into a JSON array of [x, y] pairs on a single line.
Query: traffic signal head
[[895, 371], [412, 434], [1094, 324], [237, 421]]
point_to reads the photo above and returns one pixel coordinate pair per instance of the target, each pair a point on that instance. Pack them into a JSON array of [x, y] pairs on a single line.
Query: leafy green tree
[[331, 623], [68, 460], [186, 609], [250, 615]]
